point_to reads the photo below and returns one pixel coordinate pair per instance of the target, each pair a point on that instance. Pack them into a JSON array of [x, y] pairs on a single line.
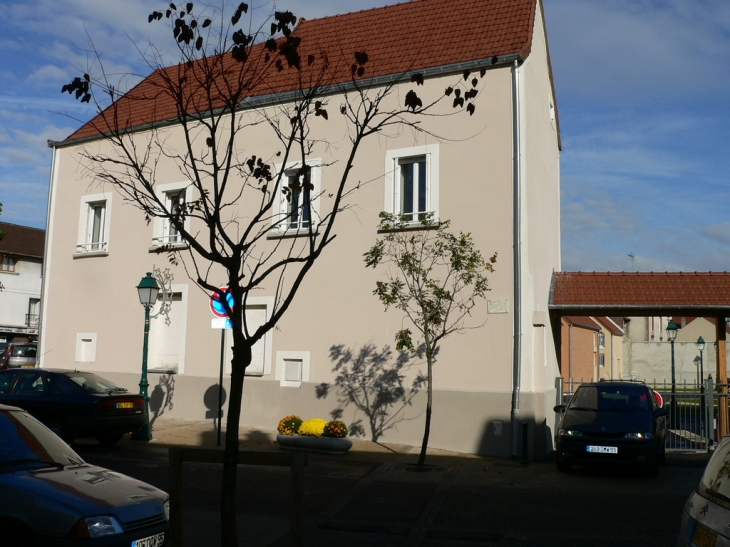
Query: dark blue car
[[74, 404], [611, 422]]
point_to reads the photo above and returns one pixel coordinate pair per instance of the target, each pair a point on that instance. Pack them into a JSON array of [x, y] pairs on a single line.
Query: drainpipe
[[570, 357], [47, 256], [517, 259]]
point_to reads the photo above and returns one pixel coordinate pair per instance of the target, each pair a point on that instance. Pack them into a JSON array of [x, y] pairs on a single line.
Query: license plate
[[153, 541], [28, 366], [602, 449], [125, 405], [702, 537]]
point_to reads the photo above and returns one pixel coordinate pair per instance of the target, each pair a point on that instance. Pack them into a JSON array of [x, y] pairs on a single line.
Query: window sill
[[161, 248], [411, 227], [277, 234], [90, 254]]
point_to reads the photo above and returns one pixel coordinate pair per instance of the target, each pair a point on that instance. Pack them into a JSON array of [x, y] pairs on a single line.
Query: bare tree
[[435, 277], [230, 87]]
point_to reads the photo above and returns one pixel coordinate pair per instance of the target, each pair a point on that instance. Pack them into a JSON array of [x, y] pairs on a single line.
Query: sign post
[[221, 321]]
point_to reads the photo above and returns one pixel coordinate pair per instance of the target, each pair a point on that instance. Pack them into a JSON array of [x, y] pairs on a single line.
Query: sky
[[643, 95]]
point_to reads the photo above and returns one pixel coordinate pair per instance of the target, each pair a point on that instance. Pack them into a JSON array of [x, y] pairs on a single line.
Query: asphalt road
[[475, 502]]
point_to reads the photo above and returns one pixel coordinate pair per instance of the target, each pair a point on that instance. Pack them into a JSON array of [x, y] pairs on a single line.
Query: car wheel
[[109, 438], [60, 429], [563, 466]]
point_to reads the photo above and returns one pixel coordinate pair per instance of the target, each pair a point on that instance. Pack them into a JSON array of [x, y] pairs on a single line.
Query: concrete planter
[[329, 445]]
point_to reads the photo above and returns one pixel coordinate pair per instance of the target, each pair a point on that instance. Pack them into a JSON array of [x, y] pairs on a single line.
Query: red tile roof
[[609, 324], [581, 321], [402, 38], [641, 293], [22, 240]]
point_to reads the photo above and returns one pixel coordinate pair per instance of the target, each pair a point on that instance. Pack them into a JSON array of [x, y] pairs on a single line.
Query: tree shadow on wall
[[161, 396], [373, 381]]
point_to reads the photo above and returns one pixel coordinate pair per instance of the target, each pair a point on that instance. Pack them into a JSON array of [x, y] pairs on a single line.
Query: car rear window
[[617, 398], [24, 351], [91, 383]]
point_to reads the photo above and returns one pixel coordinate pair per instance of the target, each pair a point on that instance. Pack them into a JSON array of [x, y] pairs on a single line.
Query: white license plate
[[602, 449], [153, 541]]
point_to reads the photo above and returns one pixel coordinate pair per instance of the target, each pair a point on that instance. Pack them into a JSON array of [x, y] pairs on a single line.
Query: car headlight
[[166, 505], [94, 527], [570, 433], [638, 436]]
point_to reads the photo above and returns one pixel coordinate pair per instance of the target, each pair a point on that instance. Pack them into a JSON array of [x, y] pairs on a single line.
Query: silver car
[[706, 516], [50, 497], [20, 355]]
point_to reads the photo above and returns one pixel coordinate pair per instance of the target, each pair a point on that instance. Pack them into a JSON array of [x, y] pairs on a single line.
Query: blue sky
[[642, 90]]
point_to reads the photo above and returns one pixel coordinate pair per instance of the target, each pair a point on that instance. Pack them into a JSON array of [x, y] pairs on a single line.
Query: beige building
[[495, 174]]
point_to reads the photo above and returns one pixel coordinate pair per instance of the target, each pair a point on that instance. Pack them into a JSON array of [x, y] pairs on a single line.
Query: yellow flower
[[313, 427]]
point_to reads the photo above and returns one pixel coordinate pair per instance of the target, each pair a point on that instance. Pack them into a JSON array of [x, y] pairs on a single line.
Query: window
[[299, 206], [601, 360], [94, 224], [411, 182], [292, 368], [174, 196], [167, 341], [34, 306], [601, 340], [8, 264]]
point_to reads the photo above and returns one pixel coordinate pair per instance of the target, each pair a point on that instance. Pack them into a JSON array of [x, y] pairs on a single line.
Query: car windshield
[[612, 398], [91, 383], [25, 443], [716, 479]]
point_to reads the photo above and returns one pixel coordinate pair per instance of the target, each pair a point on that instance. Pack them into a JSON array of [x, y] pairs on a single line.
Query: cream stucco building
[[495, 174]]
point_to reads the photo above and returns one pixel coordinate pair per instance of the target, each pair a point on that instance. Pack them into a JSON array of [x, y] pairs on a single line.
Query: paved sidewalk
[[371, 496]]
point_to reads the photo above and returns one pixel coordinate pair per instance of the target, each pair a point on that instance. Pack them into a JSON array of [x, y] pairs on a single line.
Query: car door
[[32, 394]]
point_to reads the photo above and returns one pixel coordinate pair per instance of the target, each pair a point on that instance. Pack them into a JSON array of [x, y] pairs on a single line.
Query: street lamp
[[701, 347], [672, 329], [147, 289]]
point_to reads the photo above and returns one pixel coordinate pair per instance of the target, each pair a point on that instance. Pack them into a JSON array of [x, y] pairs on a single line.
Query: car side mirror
[[559, 408], [662, 412]]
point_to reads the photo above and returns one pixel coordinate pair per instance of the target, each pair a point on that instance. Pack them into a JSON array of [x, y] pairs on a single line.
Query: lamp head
[[147, 290], [700, 343], [672, 329]]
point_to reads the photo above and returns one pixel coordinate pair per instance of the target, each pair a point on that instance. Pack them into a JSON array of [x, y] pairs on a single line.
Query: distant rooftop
[[22, 240]]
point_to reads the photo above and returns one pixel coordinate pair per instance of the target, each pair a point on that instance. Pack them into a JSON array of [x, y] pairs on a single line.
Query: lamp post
[[701, 347], [147, 289], [672, 329]]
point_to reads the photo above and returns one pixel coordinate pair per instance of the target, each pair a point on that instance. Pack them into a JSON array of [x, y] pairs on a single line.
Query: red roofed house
[[495, 174], [21, 263]]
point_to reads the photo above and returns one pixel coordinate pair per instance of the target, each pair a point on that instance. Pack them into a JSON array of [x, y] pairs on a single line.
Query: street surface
[[463, 501]]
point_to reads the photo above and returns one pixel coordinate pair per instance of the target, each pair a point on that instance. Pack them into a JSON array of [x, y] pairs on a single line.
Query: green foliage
[[436, 279]]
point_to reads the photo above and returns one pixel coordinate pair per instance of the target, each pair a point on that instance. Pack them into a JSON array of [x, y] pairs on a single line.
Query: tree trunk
[[241, 359], [429, 402]]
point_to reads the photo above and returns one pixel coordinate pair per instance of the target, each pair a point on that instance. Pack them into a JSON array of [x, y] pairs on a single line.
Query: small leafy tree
[[435, 277]]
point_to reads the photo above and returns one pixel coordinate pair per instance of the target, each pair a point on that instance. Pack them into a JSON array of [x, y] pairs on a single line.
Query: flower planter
[[329, 445]]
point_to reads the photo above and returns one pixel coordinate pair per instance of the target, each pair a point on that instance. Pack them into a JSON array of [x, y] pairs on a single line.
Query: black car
[[611, 422], [74, 404], [50, 497]]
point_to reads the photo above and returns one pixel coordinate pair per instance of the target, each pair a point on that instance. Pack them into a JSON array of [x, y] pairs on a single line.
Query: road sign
[[216, 302], [220, 323]]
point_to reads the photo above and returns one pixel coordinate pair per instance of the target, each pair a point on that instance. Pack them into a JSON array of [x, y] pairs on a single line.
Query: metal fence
[[693, 409]]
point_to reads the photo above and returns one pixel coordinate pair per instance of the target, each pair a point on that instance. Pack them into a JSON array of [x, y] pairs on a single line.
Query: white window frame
[[282, 357], [279, 220], [162, 226], [154, 341], [8, 264], [393, 161], [85, 243]]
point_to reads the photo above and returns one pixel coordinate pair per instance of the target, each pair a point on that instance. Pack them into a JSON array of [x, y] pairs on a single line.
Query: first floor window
[[94, 224], [175, 203], [299, 207], [601, 360], [411, 182], [8, 264], [413, 190]]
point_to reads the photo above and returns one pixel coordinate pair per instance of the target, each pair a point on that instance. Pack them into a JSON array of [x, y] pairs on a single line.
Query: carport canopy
[[646, 294]]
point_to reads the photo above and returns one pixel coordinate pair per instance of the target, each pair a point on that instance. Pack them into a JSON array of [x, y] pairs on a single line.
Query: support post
[[722, 410]]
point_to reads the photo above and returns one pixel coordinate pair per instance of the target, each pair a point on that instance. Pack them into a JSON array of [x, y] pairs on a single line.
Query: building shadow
[[161, 398], [373, 380]]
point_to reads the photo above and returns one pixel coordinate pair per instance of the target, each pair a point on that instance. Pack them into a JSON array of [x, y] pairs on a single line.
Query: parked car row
[[19, 355]]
